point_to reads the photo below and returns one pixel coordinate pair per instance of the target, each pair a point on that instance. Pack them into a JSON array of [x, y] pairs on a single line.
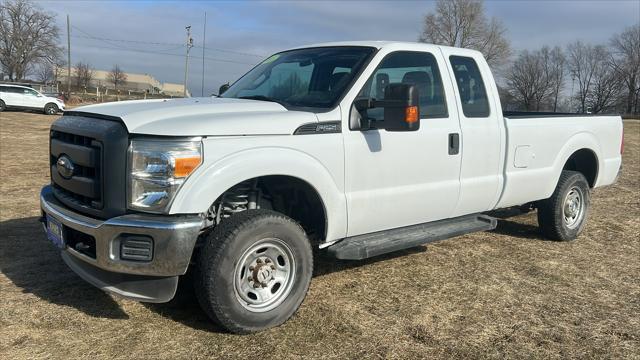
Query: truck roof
[[379, 44]]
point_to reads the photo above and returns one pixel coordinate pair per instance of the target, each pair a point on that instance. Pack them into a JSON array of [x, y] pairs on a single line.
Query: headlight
[[157, 169]]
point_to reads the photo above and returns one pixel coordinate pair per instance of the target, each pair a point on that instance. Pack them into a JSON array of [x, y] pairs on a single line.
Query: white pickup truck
[[358, 148]]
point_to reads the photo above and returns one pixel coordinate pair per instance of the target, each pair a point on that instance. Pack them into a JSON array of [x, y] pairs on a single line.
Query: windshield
[[314, 77]]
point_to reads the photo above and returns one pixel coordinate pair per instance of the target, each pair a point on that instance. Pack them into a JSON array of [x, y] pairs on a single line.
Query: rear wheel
[[51, 109], [564, 215], [254, 270], [3, 106]]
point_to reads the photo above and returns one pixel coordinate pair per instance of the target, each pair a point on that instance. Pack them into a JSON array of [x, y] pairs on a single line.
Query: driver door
[[395, 179], [29, 98]]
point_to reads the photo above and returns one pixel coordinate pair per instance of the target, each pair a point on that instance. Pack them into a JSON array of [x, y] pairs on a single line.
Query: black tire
[[215, 273], [51, 109], [551, 212], [2, 106]]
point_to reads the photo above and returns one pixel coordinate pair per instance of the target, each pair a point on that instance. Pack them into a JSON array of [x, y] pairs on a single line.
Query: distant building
[[134, 83]]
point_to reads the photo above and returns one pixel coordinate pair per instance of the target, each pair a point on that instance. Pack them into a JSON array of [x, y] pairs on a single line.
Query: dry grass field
[[506, 293]]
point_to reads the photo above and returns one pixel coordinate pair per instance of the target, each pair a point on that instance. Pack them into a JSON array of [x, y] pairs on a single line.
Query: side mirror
[[223, 88], [401, 107]]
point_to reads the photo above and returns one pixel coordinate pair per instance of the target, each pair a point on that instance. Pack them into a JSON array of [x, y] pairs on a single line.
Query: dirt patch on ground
[[496, 294]]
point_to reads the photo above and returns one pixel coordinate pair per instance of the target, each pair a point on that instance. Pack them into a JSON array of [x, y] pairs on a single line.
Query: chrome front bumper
[[174, 238]]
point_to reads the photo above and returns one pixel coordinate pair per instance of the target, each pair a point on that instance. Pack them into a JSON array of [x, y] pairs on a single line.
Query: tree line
[[580, 77]]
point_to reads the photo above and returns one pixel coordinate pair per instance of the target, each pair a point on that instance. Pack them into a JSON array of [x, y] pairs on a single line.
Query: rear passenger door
[[482, 135], [395, 179], [8, 95]]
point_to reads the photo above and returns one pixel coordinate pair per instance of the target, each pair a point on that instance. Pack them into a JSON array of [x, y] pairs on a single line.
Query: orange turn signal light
[[185, 165], [411, 114]]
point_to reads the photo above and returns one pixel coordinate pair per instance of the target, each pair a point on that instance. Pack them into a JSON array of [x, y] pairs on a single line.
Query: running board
[[382, 242]]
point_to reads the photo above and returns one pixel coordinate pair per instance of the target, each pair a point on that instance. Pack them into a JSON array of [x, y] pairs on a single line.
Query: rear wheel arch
[[584, 161]]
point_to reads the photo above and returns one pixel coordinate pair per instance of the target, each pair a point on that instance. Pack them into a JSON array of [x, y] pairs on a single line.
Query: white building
[[135, 83]]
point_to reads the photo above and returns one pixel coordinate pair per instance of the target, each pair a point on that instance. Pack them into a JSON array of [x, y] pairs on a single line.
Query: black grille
[[84, 186], [97, 148]]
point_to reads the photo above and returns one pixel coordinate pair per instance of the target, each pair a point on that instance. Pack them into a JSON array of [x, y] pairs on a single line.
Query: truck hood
[[203, 116]]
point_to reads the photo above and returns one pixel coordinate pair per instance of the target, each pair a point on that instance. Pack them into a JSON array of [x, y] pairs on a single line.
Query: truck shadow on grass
[[519, 230], [184, 307], [34, 265]]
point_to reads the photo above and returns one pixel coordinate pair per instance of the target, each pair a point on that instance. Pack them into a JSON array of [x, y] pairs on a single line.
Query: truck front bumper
[[93, 249]]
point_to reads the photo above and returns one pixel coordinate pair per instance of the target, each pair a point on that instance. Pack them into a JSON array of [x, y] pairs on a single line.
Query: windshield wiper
[[263, 98]]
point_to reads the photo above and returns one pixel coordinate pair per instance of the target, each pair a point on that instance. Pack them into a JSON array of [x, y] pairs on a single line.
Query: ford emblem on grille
[[65, 166]]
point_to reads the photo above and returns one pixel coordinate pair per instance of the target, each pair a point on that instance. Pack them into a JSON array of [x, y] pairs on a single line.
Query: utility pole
[[186, 63], [68, 59], [204, 43]]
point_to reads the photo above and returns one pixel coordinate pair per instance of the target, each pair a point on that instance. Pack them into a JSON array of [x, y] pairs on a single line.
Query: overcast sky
[[241, 33]]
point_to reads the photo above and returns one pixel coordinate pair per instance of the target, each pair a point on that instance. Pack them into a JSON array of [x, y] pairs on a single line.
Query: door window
[[473, 94], [408, 67], [29, 92]]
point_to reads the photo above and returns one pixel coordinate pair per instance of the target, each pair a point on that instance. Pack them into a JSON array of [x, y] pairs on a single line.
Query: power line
[[127, 48], [169, 54], [206, 48]]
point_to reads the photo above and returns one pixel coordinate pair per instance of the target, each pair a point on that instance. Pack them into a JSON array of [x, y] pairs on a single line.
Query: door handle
[[454, 144]]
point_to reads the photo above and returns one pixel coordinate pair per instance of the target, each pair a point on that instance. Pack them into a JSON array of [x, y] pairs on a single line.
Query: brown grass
[[503, 293]]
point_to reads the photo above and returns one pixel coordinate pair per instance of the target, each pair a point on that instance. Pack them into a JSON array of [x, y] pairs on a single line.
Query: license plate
[[55, 232]]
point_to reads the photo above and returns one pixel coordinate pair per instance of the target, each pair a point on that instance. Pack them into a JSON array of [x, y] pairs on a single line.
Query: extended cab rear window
[[473, 94]]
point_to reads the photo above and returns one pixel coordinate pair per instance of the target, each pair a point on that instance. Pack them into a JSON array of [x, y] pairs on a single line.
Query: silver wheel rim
[[573, 207], [264, 275], [52, 110]]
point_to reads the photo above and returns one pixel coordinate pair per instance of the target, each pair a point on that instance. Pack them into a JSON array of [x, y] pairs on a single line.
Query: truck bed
[[539, 145]]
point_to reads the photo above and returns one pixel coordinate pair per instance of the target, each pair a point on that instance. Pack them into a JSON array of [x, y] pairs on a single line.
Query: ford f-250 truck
[[359, 148]]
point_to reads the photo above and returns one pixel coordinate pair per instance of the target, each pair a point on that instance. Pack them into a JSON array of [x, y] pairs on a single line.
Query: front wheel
[[51, 109], [254, 270], [563, 216], [2, 106]]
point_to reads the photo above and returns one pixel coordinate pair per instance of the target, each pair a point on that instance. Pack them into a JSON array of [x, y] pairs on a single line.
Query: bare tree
[[606, 85], [59, 68], [557, 66], [117, 76], [535, 78], [28, 35], [625, 60], [45, 73], [524, 80], [462, 23], [582, 60], [84, 74]]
